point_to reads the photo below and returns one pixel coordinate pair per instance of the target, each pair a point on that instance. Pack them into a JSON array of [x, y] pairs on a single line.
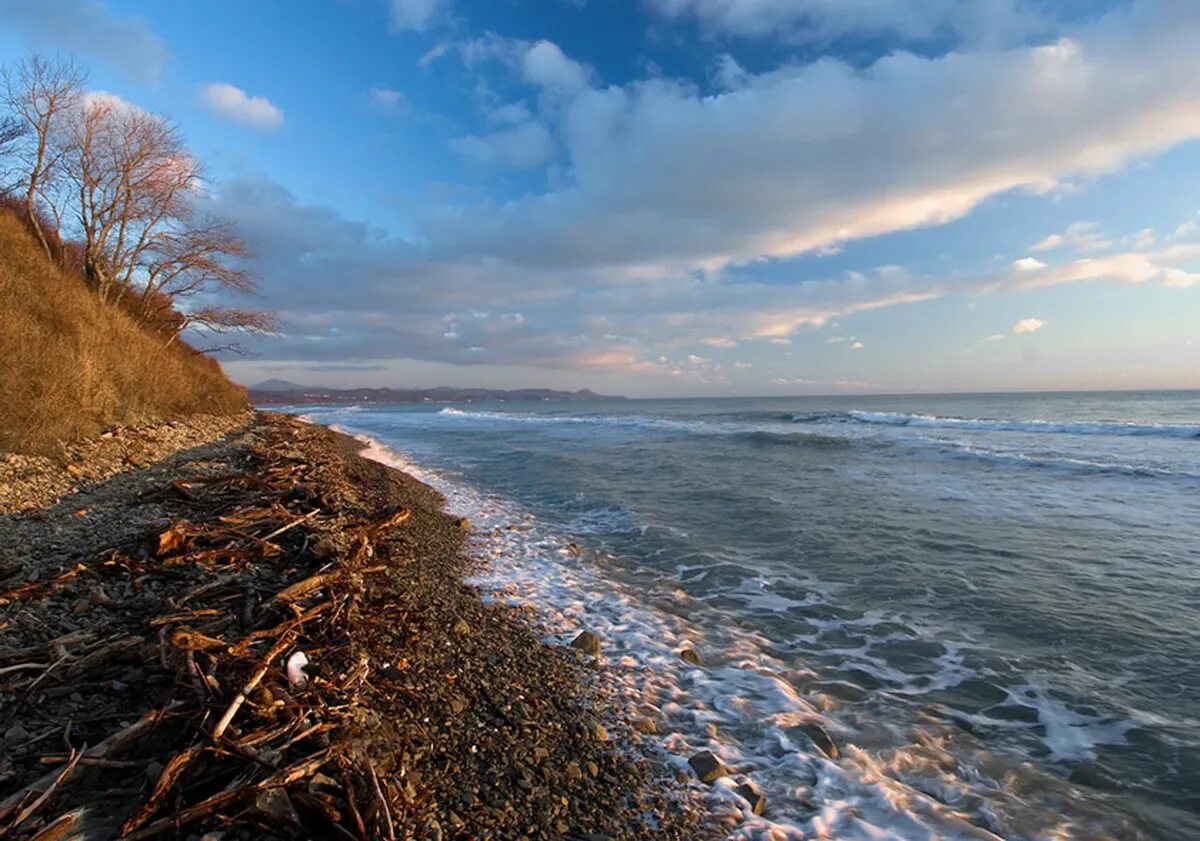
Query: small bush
[[70, 365]]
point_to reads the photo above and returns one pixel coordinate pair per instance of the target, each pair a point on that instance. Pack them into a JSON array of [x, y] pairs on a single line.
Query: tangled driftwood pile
[[249, 733], [290, 655]]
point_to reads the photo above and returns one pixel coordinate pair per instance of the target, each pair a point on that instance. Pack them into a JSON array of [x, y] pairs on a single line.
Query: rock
[[600, 733], [463, 523], [645, 725], [458, 704], [16, 735], [461, 627], [74, 471], [275, 804], [750, 793], [707, 766], [588, 643], [574, 772], [593, 769], [153, 771], [822, 740], [326, 547], [689, 655]]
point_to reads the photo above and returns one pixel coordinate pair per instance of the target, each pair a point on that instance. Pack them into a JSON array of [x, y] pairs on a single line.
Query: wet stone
[[689, 655], [750, 793], [588, 643], [707, 766], [822, 740]]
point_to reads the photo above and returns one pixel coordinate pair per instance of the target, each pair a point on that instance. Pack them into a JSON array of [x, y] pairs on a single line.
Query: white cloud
[[523, 146], [720, 342], [546, 65], [232, 103], [1146, 238], [431, 55], [1028, 264], [1186, 229], [857, 346], [1049, 243], [87, 28], [995, 337], [1133, 267], [417, 14], [1028, 325], [1082, 236], [385, 98], [665, 178], [743, 366]]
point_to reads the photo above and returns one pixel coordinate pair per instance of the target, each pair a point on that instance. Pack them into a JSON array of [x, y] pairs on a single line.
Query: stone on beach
[[588, 643], [750, 793], [822, 740], [707, 766], [689, 655]]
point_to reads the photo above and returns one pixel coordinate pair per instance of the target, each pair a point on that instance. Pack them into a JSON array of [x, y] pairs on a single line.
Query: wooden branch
[[277, 649]]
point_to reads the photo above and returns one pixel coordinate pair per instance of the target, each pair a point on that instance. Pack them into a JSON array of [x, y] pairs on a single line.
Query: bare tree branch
[[40, 93]]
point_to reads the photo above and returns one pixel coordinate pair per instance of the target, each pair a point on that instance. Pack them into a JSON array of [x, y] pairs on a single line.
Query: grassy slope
[[70, 365]]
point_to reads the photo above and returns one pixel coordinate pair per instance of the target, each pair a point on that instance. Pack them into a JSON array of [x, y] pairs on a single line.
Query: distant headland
[[281, 392]]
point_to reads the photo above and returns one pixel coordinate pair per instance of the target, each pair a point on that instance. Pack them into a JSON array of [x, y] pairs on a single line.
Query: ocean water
[[990, 602]]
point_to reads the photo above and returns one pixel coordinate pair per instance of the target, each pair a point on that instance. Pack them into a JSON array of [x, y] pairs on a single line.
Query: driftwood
[[48, 783], [245, 744]]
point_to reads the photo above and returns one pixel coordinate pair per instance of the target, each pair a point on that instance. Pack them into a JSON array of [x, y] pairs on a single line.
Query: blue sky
[[677, 197]]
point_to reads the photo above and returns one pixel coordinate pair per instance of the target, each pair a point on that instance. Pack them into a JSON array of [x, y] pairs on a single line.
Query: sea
[[990, 603]]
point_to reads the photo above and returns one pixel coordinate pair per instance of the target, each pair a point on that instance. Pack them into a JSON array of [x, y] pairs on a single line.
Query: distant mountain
[[276, 392], [277, 385]]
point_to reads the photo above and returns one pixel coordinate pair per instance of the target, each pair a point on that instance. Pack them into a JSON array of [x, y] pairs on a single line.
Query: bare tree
[[144, 240], [130, 188], [40, 93], [133, 178]]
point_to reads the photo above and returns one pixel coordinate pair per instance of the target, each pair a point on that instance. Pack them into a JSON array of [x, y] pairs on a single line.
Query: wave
[[1063, 463], [796, 439], [1160, 430]]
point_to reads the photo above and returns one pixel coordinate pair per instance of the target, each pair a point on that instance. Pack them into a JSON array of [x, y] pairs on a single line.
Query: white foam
[[1035, 425]]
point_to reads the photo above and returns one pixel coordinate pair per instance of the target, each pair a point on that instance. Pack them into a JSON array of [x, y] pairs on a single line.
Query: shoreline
[[425, 711]]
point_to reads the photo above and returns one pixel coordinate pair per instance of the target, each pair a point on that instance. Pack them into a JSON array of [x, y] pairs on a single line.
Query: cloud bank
[[661, 176], [640, 249], [88, 28]]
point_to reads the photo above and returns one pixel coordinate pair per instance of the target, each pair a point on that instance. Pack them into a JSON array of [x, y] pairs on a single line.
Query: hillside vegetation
[[71, 365]]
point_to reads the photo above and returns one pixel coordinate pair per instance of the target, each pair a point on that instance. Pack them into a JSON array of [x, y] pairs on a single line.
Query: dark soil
[[132, 614]]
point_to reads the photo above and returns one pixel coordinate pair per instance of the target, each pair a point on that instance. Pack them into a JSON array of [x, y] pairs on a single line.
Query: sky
[[687, 197]]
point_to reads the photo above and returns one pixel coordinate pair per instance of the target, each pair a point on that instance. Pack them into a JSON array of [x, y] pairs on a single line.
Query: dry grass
[[70, 365]]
